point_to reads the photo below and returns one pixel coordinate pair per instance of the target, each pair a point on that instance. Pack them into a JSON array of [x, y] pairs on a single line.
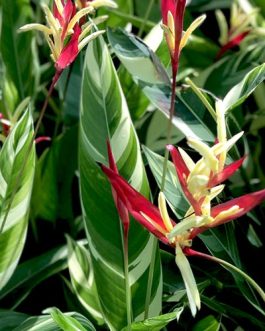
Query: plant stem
[[169, 128], [200, 95], [150, 279], [127, 283], [20, 174], [146, 16], [131, 18], [42, 112]]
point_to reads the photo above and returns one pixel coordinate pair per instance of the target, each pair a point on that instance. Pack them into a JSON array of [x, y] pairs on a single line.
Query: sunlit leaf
[[104, 115]]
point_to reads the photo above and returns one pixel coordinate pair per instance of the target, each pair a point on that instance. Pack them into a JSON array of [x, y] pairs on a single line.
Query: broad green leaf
[[45, 187], [82, 279], [30, 273], [47, 323], [173, 192], [239, 93], [69, 323], [10, 319], [208, 323], [104, 115], [22, 70], [17, 165], [191, 118], [155, 323], [53, 186]]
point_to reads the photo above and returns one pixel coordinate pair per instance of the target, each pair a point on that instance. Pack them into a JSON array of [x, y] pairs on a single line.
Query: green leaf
[[47, 323], [156, 323], [223, 75], [104, 115], [22, 70], [30, 273], [191, 117], [208, 323], [69, 323], [239, 93], [17, 166], [10, 319], [53, 186], [82, 279], [173, 191], [231, 311], [156, 133]]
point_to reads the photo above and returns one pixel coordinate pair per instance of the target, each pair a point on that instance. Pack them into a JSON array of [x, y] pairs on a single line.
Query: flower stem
[[148, 11], [169, 128], [231, 267], [127, 283], [42, 112], [150, 279], [201, 96]]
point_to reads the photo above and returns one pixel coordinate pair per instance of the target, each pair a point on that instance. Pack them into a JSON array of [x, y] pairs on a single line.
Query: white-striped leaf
[[47, 323], [82, 279], [69, 323], [14, 208], [104, 115], [239, 93]]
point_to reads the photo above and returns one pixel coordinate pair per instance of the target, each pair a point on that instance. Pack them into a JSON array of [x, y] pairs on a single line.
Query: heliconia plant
[[134, 184], [198, 185]]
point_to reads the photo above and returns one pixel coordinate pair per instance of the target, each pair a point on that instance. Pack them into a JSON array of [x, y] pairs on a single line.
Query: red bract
[[226, 173], [122, 210], [70, 51], [232, 43], [176, 8], [183, 173], [69, 10], [138, 206], [221, 214]]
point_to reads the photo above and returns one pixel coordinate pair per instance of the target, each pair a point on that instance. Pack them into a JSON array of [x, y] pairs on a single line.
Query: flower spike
[[172, 17], [64, 32]]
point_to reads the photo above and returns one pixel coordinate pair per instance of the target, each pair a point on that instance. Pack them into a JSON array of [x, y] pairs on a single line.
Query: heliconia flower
[[240, 27], [157, 221], [64, 34], [172, 19], [199, 180]]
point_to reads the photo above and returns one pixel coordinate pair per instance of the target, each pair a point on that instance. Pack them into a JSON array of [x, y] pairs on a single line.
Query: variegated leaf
[[104, 115], [16, 174], [82, 279], [54, 322]]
